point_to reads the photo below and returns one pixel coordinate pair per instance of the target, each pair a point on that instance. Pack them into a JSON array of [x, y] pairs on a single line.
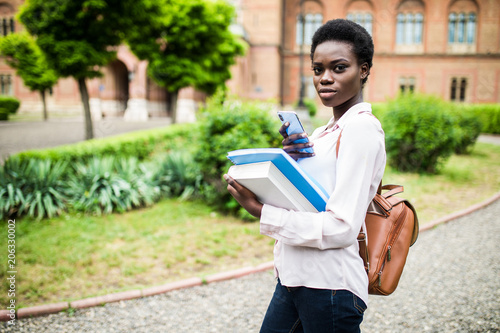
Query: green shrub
[[140, 144], [11, 104], [34, 187], [467, 128], [4, 114], [419, 133], [230, 125], [488, 114], [379, 110], [311, 106]]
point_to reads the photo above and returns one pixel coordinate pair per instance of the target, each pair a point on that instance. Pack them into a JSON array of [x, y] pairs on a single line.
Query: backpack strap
[[379, 190]]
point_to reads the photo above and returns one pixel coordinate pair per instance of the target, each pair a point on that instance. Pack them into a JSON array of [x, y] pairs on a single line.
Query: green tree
[[187, 44], [78, 37], [23, 54]]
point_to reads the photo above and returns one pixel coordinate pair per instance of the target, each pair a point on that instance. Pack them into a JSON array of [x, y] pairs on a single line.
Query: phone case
[[295, 127]]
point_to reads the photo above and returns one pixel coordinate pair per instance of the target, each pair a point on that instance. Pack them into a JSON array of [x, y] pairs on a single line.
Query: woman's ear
[[364, 70]]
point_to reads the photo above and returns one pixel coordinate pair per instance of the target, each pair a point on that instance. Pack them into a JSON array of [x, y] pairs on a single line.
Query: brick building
[[450, 48]]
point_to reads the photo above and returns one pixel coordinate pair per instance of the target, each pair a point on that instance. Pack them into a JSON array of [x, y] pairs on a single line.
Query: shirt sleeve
[[359, 169]]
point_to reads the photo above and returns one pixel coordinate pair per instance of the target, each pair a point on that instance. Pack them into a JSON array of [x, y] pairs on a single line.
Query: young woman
[[322, 285]]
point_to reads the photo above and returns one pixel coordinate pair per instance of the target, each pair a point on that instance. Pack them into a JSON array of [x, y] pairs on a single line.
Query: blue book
[[277, 179]]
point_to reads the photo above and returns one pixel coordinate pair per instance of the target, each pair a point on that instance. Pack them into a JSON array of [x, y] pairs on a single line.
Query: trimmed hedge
[[4, 114], [419, 132], [488, 114], [11, 104], [140, 144]]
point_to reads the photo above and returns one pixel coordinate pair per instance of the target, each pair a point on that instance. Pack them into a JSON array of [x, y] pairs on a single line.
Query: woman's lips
[[326, 93]]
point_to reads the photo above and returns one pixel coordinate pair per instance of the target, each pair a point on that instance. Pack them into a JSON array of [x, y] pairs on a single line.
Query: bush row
[[422, 131], [487, 114], [44, 188], [140, 144]]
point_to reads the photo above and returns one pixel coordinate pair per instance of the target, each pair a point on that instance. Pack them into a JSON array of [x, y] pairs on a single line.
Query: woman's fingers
[[283, 129]]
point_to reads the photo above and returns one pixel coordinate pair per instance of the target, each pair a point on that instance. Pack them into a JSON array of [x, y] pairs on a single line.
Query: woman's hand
[[294, 149], [244, 196]]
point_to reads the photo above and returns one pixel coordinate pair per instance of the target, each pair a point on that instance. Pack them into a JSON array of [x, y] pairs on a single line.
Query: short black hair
[[341, 30]]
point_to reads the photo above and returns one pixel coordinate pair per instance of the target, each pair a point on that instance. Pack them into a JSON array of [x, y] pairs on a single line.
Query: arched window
[[311, 23], [409, 28], [363, 19], [461, 28]]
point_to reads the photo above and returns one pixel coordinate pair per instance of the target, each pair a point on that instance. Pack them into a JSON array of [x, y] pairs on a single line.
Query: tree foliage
[[79, 36], [23, 54], [187, 43]]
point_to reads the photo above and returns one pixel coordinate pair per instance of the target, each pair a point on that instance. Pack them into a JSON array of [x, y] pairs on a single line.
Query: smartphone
[[295, 127]]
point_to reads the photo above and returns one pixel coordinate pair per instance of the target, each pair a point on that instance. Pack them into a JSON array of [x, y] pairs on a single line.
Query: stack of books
[[277, 179]]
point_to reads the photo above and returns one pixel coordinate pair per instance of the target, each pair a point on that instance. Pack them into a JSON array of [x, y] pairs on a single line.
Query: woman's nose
[[327, 77]]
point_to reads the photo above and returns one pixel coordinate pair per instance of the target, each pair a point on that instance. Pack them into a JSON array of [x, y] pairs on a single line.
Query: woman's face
[[337, 75]]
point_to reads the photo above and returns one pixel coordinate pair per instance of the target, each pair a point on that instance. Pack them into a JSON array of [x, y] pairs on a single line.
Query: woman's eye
[[317, 70], [340, 68]]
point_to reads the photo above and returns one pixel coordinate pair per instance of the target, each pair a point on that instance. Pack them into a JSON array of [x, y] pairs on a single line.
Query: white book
[[276, 179], [270, 186]]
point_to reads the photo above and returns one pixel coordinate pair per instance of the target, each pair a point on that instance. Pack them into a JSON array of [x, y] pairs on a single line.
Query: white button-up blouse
[[320, 250]]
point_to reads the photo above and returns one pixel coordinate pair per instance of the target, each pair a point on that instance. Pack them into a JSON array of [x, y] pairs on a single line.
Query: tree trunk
[[45, 115], [172, 105], [89, 132]]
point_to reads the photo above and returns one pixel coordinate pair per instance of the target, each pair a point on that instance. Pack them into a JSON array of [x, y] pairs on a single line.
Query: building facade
[[449, 48]]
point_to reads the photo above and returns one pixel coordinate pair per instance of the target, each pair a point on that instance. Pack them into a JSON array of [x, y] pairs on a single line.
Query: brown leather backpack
[[391, 228]]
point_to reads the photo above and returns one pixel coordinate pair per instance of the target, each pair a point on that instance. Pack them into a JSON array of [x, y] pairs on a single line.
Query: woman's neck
[[340, 110]]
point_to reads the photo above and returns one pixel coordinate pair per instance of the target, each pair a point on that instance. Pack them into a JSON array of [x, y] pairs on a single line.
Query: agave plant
[[11, 194], [143, 190], [34, 187], [179, 174], [96, 188]]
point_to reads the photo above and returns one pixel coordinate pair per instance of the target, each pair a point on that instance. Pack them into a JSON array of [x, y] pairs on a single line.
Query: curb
[[5, 315], [461, 213]]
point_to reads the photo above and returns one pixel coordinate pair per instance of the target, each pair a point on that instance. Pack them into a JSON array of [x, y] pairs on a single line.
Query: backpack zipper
[[388, 254]]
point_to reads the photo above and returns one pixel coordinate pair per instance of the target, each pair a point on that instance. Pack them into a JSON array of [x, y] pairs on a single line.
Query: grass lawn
[[76, 256]]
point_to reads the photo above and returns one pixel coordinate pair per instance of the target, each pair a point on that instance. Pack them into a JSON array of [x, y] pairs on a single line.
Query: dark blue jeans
[[301, 309]]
